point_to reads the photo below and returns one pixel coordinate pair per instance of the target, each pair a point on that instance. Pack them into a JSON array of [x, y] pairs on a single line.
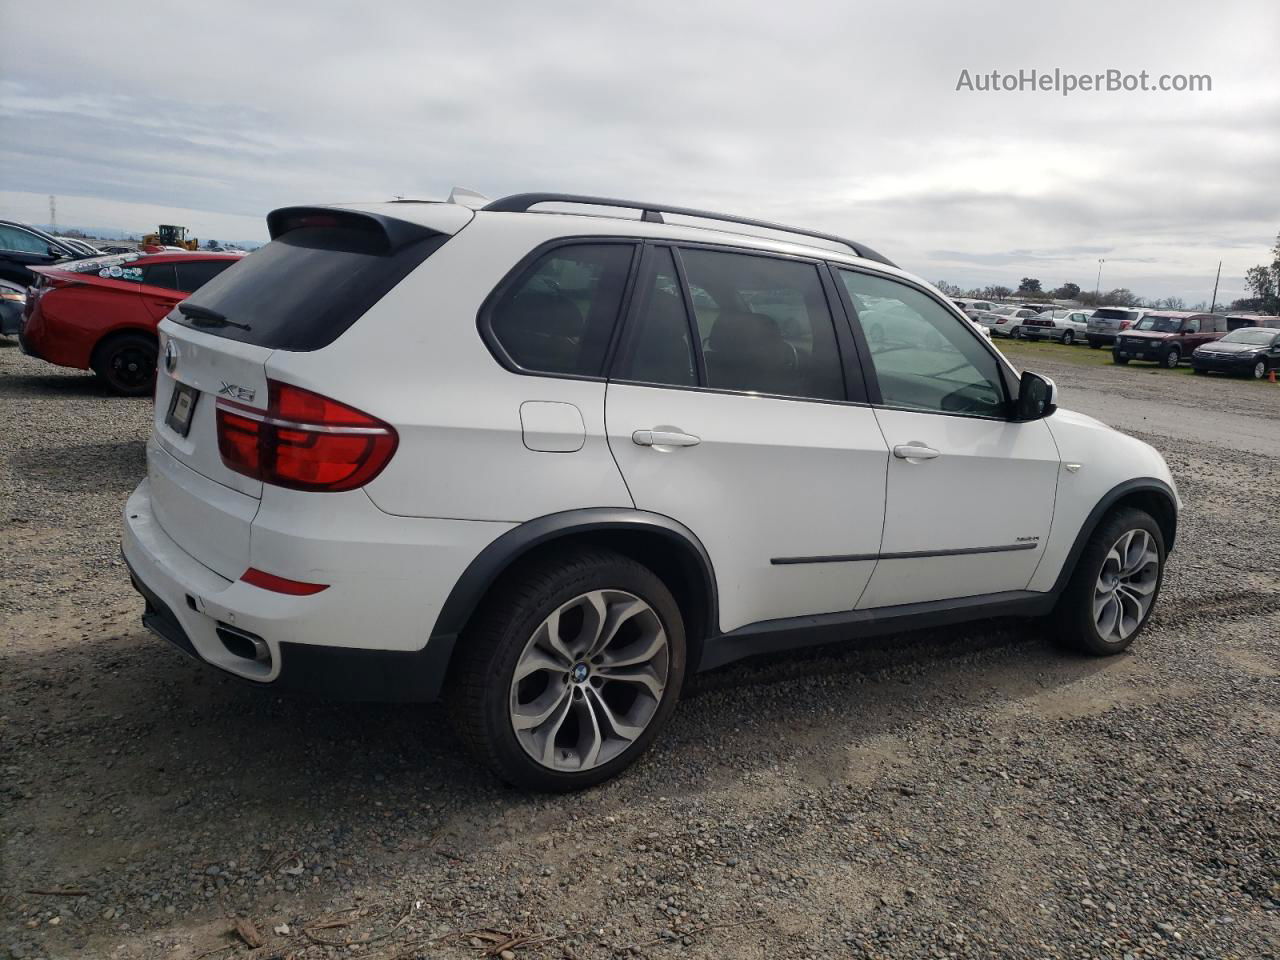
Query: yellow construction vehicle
[[169, 235]]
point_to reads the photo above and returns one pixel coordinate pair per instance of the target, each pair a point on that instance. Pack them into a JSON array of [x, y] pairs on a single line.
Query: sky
[[842, 117]]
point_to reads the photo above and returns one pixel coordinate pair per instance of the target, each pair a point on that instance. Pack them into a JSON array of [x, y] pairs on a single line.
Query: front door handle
[[914, 451], [664, 438]]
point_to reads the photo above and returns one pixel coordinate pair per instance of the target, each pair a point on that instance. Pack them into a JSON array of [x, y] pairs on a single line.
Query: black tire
[[1172, 357], [126, 363], [1259, 370], [1068, 338], [480, 679], [1017, 333], [1199, 370], [1073, 616], [1116, 358], [1094, 345]]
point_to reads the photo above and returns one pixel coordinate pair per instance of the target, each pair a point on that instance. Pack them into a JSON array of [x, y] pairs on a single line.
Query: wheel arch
[[666, 546], [1149, 494]]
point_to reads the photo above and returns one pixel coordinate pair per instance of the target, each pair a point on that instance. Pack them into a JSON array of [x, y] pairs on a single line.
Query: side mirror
[[1037, 397]]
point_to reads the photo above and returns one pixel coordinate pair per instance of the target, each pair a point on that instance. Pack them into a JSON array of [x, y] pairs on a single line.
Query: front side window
[[925, 358], [11, 238], [763, 325], [560, 313]]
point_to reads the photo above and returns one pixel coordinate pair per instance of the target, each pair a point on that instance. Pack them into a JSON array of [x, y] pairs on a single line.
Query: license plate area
[[182, 405]]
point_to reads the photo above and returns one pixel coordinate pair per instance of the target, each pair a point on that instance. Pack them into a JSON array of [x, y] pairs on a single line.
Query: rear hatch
[[323, 269], [1108, 320]]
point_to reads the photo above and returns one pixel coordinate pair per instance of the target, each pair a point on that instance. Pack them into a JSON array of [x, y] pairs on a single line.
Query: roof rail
[[652, 213]]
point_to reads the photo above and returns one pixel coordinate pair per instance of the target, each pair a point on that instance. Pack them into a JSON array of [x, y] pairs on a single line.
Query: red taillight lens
[[269, 581], [1124, 324], [303, 441]]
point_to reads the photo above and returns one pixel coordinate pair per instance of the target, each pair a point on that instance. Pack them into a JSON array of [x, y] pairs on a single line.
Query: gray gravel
[[961, 793]]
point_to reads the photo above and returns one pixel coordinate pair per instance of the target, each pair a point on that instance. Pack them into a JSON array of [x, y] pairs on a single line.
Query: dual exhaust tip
[[245, 645]]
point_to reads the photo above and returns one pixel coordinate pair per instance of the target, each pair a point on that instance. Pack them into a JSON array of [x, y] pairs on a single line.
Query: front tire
[[126, 363], [1172, 358], [1116, 358], [1114, 587], [1259, 369], [570, 670]]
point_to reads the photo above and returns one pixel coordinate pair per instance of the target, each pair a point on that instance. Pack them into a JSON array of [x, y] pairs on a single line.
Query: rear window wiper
[[201, 314]]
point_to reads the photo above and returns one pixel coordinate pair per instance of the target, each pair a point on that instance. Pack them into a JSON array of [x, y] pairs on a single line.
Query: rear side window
[[306, 287], [194, 274], [160, 275], [559, 314]]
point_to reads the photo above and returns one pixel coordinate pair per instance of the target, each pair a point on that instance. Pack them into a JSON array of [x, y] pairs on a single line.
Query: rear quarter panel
[[74, 319]]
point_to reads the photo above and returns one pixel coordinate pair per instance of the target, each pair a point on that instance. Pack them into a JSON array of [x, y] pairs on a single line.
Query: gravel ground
[[962, 793]]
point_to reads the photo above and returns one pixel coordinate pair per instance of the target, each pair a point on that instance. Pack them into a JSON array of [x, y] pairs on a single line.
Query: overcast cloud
[[842, 117]]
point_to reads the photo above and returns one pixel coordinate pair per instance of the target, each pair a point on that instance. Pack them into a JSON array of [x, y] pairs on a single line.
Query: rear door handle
[[914, 451], [664, 438]]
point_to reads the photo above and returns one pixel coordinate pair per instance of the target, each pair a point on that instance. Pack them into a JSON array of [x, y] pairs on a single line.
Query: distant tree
[[1068, 291], [212, 245], [1264, 281], [1029, 286], [1120, 297], [1170, 303], [950, 289], [998, 293]]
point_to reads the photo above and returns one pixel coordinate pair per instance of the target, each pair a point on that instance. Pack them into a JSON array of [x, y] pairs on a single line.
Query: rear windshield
[[305, 288], [1107, 313]]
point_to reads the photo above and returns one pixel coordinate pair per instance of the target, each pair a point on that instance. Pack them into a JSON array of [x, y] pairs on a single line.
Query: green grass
[[1025, 353]]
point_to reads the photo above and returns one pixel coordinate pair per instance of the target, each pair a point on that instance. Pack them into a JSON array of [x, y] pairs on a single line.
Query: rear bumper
[[352, 641], [1043, 333]]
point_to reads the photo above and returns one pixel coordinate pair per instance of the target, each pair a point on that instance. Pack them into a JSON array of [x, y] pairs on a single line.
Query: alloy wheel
[[1171, 359], [589, 680], [1259, 370], [1126, 586]]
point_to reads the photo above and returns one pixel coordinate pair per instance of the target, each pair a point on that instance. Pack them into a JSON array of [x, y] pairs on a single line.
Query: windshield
[[1159, 324], [1256, 335]]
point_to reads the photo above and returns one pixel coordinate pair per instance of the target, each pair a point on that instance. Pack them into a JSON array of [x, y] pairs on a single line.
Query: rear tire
[[126, 363], [1094, 346], [590, 700], [1114, 587]]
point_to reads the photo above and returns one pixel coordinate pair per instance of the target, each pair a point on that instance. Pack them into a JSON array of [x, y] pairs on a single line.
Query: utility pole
[[1097, 287], [1215, 287], [53, 213]]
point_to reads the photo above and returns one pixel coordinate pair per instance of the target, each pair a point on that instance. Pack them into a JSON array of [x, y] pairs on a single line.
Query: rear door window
[[661, 344], [559, 314], [160, 275], [763, 325], [194, 274]]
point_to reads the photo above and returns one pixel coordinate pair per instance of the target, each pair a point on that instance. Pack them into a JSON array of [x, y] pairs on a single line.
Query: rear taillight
[[303, 441], [1124, 324]]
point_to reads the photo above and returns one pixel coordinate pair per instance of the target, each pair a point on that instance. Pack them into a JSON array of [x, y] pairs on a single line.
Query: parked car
[[1252, 351], [1106, 322], [446, 476], [82, 247], [101, 313], [1067, 326], [972, 308], [119, 248], [1167, 337], [13, 299], [1007, 321], [23, 247], [1237, 320]]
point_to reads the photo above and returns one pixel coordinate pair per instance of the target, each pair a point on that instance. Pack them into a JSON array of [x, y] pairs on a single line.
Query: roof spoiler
[[376, 233]]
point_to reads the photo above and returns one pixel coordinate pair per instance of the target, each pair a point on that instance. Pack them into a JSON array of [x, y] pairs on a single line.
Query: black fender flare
[[499, 555], [1103, 507]]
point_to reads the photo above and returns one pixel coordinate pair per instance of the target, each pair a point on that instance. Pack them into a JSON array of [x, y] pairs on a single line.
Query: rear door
[[159, 289], [970, 493], [727, 409]]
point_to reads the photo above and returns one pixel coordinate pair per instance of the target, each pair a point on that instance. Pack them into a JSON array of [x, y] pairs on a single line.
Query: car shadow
[[76, 468]]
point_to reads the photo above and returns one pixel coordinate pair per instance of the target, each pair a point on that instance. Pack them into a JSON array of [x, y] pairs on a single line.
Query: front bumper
[[1225, 364], [197, 611], [1154, 353]]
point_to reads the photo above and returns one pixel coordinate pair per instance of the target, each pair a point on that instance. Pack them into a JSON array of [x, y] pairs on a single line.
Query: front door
[[970, 492], [727, 409]]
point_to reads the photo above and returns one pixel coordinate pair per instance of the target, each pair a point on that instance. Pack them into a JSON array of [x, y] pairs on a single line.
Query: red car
[[101, 313]]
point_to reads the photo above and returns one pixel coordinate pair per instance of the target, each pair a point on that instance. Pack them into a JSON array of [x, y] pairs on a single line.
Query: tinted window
[[12, 238], [764, 325], [660, 349], [925, 358], [307, 286], [160, 275], [194, 274], [559, 314]]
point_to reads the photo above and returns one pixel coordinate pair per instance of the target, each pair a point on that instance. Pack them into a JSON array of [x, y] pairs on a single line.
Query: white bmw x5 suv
[[545, 464]]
